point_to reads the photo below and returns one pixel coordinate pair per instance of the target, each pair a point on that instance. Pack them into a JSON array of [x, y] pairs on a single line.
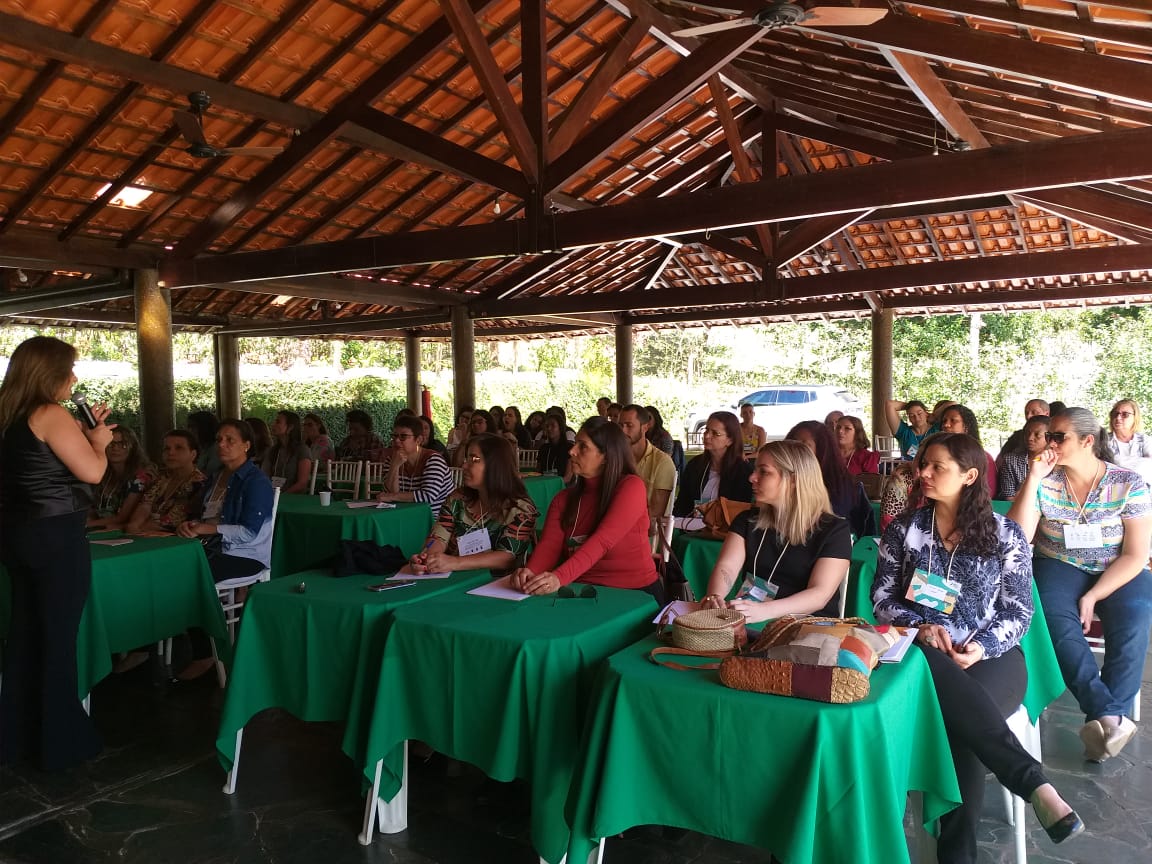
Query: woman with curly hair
[[962, 574]]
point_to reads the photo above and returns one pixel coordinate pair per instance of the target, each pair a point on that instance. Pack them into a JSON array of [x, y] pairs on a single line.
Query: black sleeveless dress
[[43, 509]]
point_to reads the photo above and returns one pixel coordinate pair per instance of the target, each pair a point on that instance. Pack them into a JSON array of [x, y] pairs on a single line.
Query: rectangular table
[[810, 781], [314, 654], [501, 685], [308, 536], [142, 592]]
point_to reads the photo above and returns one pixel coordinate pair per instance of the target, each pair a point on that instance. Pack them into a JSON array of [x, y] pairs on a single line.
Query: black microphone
[[81, 403]]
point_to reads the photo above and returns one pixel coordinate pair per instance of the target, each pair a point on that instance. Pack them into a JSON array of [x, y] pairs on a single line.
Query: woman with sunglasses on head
[[412, 472], [793, 551], [489, 523], [961, 574], [721, 471], [1091, 521], [596, 531], [127, 478]]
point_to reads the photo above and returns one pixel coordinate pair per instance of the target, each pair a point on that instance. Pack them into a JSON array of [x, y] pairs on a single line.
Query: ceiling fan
[[191, 125], [784, 14]]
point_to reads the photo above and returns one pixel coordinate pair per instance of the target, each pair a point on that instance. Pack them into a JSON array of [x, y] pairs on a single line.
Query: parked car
[[780, 408]]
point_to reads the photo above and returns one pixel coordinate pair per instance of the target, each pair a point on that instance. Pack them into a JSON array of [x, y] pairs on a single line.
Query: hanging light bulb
[[496, 208]]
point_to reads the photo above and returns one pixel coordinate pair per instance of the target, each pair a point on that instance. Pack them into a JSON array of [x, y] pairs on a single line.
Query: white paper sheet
[[379, 505], [118, 542], [674, 610], [501, 589]]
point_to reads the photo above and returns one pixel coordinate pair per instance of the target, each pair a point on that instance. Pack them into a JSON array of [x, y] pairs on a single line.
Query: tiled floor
[[155, 797]]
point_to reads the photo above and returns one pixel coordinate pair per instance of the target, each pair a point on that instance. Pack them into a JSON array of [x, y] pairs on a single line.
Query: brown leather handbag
[[718, 516]]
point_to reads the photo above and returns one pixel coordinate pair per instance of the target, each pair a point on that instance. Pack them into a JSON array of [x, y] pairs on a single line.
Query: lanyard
[[756, 558], [1081, 507], [951, 558]]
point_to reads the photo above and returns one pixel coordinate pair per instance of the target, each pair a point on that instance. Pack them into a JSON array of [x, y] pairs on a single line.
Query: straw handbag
[[714, 633], [825, 659]]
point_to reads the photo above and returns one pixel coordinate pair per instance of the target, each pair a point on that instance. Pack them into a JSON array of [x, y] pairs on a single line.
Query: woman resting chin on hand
[[793, 552]]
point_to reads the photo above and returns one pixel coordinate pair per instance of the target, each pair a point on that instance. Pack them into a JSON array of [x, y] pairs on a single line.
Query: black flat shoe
[[1062, 829]]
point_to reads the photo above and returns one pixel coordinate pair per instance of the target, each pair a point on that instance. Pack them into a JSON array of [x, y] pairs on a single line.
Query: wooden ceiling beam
[[490, 76], [1067, 25], [662, 27], [348, 290], [1025, 296], [1039, 165], [813, 232], [534, 80], [745, 173], [670, 89], [26, 247], [849, 139], [359, 324], [755, 310], [730, 247], [70, 293], [1111, 77], [570, 124]]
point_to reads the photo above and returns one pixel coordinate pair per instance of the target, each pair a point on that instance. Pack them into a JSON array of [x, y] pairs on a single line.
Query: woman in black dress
[[47, 465]]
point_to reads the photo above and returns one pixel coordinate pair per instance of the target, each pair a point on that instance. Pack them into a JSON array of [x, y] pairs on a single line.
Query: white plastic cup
[[325, 498]]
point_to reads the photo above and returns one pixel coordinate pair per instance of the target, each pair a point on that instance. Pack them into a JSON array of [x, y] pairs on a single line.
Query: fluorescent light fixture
[[281, 299], [129, 196]]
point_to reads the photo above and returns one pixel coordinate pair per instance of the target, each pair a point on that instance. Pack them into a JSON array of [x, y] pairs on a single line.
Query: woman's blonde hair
[[37, 370], [1137, 426], [805, 495]]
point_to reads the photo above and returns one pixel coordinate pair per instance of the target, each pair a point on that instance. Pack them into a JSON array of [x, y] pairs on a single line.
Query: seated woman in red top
[[596, 531], [855, 447]]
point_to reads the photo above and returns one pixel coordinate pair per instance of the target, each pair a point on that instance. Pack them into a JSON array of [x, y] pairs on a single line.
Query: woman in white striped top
[[414, 473]]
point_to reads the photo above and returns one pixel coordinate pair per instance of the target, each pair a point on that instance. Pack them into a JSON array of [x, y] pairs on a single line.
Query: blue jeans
[[1125, 617]]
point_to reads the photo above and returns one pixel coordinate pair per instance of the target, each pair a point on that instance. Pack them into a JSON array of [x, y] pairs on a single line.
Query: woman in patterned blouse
[[962, 575], [176, 495], [1091, 520], [128, 476], [489, 522]]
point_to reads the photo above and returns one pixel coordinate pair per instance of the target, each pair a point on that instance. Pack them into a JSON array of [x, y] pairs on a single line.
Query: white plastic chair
[[527, 460], [1096, 643], [345, 477], [1028, 733], [374, 475], [232, 600], [312, 480]]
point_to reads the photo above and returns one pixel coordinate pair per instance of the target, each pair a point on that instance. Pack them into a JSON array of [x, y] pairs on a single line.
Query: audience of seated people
[[178, 492], [844, 491]]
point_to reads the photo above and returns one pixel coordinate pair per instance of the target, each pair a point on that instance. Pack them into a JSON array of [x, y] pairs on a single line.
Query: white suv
[[778, 409]]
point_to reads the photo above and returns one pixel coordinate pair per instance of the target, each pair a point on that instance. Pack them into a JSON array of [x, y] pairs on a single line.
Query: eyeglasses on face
[[1057, 437], [119, 445], [402, 436], [474, 458], [1123, 414], [567, 592]]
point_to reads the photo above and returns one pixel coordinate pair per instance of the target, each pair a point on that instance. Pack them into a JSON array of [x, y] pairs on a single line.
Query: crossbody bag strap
[[657, 655]]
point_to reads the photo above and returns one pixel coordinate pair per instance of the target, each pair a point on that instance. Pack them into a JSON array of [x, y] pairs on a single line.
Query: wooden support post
[[412, 368], [881, 369], [154, 359], [623, 363], [463, 359], [227, 356]]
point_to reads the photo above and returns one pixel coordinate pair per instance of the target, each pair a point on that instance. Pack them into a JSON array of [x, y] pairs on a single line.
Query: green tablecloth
[[308, 536], [542, 489], [698, 556], [142, 592], [812, 782], [502, 685], [1045, 683], [314, 654]]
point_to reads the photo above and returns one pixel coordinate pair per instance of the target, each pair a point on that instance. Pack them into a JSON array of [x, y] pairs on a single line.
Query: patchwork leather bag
[[824, 659]]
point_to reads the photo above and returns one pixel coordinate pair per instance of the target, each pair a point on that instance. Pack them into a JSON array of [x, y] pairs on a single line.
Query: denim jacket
[[245, 525]]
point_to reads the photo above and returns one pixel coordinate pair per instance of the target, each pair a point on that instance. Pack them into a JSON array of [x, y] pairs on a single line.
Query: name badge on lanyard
[[474, 542], [1081, 536], [755, 588], [933, 590]]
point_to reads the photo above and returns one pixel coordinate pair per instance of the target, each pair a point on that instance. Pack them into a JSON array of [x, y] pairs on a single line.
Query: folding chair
[[344, 477]]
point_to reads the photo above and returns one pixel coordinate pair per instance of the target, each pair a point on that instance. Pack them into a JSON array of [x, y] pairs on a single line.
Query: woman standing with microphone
[[48, 464]]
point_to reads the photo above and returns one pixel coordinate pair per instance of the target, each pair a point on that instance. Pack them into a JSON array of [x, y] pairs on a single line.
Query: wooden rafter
[[475, 46]]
